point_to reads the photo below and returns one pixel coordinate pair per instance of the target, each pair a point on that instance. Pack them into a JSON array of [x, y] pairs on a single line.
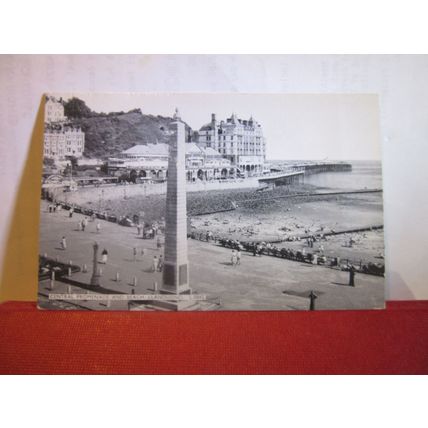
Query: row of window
[[240, 152], [240, 137]]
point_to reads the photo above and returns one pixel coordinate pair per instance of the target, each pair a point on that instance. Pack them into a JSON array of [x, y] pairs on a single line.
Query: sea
[[364, 175]]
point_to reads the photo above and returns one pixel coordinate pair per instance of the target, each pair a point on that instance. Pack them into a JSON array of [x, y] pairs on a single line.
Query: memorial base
[[176, 305]]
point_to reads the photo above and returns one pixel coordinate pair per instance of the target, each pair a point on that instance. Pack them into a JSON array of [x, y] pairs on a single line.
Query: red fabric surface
[[394, 341]]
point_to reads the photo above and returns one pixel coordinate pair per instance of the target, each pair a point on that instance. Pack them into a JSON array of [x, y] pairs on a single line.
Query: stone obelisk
[[176, 265]]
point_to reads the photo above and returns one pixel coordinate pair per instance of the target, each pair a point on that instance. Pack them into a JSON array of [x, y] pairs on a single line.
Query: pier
[[282, 178], [318, 167], [294, 174]]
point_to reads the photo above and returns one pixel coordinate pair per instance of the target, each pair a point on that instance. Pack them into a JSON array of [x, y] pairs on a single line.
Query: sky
[[296, 126]]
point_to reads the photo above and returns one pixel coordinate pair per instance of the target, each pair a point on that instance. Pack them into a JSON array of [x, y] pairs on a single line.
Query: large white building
[[61, 139], [240, 141], [151, 161]]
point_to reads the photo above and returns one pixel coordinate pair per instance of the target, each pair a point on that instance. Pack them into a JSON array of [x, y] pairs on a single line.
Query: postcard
[[211, 202]]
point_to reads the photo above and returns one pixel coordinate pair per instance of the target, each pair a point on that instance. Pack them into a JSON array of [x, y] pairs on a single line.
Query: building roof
[[209, 151], [231, 121], [207, 127], [192, 148], [148, 149]]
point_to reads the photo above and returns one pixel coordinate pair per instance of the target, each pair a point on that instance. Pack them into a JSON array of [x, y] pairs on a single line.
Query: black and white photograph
[[211, 202]]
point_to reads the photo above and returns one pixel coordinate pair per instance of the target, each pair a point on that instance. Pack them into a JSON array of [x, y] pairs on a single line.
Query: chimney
[[213, 118]]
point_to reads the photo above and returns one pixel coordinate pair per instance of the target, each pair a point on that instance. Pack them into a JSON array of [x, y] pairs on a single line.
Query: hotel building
[[240, 141]]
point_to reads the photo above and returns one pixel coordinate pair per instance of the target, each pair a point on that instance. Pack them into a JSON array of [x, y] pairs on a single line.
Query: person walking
[[63, 243], [233, 258], [79, 226], [160, 263], [352, 276], [83, 225], [143, 251], [155, 264], [104, 256], [134, 252], [70, 214], [312, 297], [98, 227]]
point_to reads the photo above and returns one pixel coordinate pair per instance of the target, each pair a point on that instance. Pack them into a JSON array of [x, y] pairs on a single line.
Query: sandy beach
[[269, 215]]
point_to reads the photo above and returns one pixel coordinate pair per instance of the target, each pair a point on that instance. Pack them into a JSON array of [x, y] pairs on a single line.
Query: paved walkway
[[259, 283]]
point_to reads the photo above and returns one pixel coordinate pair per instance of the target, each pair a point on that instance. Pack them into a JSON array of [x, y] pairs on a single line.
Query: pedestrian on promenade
[[160, 263], [155, 264], [63, 243], [312, 297], [233, 259], [50, 208], [83, 225], [79, 226], [158, 243], [352, 276], [70, 214], [138, 229], [143, 251], [134, 252], [104, 256], [98, 227], [238, 257]]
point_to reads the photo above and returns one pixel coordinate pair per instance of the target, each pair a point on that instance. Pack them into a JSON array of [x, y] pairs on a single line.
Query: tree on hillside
[[76, 108]]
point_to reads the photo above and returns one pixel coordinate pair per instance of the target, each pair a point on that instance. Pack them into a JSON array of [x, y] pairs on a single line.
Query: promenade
[[259, 283]]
